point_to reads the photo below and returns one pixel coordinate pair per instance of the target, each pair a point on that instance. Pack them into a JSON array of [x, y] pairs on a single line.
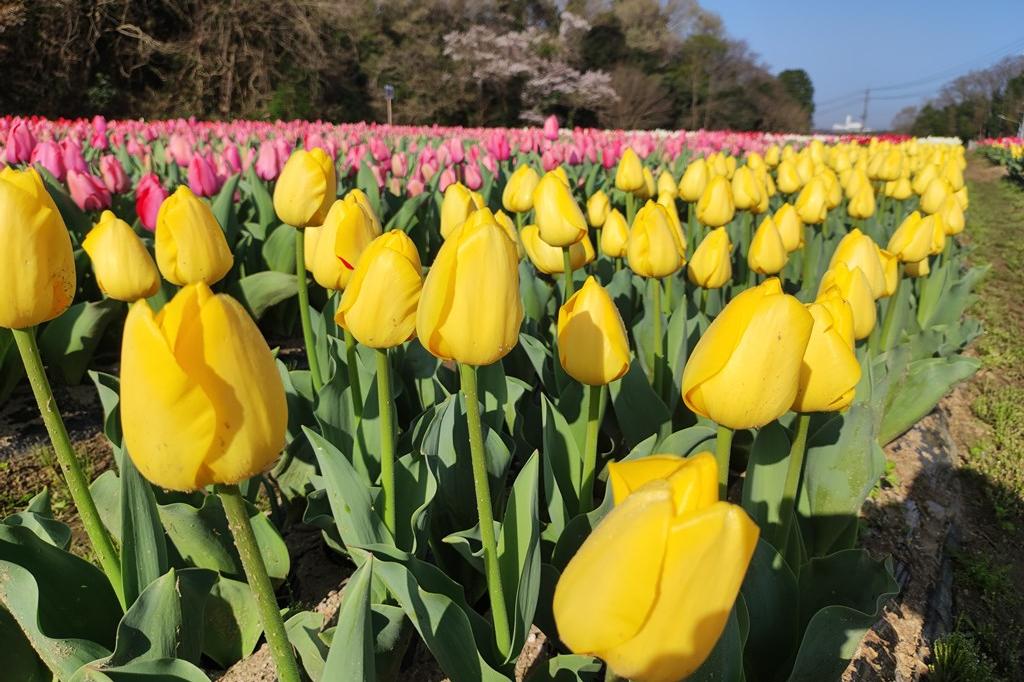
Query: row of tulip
[[1008, 152], [667, 381]]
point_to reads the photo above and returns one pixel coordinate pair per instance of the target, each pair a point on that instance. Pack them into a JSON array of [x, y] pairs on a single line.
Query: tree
[[797, 83]]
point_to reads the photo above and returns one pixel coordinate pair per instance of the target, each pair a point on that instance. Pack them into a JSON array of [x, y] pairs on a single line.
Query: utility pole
[[864, 115], [389, 94]]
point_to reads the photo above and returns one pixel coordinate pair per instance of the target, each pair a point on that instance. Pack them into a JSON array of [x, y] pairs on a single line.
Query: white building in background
[[850, 126]]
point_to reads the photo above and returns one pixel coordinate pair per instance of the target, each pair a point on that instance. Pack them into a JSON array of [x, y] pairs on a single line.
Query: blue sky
[[849, 46]]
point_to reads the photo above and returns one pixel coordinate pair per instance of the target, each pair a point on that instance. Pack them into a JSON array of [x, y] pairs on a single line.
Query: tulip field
[[561, 404]]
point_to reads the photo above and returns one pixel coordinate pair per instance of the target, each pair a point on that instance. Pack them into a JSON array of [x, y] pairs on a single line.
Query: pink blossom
[[414, 187], [202, 178], [551, 127], [87, 191], [20, 143], [149, 194], [114, 177], [267, 164], [447, 178], [472, 177], [47, 154]]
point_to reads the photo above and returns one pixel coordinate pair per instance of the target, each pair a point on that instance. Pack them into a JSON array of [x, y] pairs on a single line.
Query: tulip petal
[[626, 477]]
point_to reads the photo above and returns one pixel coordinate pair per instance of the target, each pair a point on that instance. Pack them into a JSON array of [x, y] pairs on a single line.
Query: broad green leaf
[[772, 598], [279, 250], [563, 457], [165, 670], [303, 630], [519, 553], [765, 480], [68, 343], [687, 441], [568, 668], [351, 656], [259, 291], [143, 546], [38, 517], [20, 660], [223, 207], [232, 622], [639, 411], [924, 385]]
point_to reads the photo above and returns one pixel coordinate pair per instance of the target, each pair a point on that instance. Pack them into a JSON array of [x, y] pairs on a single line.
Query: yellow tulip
[[962, 198], [767, 254], [745, 369], [359, 196], [615, 235], [651, 589], [812, 202], [559, 218], [379, 304], [306, 188], [855, 289], [592, 344], [647, 190], [841, 312], [912, 240], [790, 227], [669, 204], [549, 259], [598, 207], [457, 204], [667, 185], [715, 207], [629, 176], [201, 398], [773, 156], [505, 223], [123, 267], [517, 196], [891, 267], [952, 216], [190, 244], [857, 250], [787, 178], [711, 265], [694, 180], [953, 175], [654, 248], [337, 245], [470, 310], [924, 178], [37, 264], [746, 192], [917, 269], [935, 195], [830, 371], [862, 204], [937, 227], [899, 188]]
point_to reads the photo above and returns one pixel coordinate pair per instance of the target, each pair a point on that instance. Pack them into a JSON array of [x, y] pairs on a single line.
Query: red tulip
[[149, 194]]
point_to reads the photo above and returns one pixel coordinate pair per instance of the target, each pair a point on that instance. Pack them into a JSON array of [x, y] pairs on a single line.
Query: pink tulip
[[414, 187], [267, 165], [47, 154], [149, 194], [202, 178], [472, 177], [447, 178], [232, 158], [87, 191], [551, 128], [179, 149], [456, 151], [73, 158], [113, 174], [399, 165], [20, 143], [99, 124], [99, 141]]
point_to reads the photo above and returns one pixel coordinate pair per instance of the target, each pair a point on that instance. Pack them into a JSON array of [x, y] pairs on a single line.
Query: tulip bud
[[87, 191], [598, 206], [201, 399], [334, 248], [917, 269], [306, 188], [924, 178], [935, 195], [962, 198], [559, 218], [746, 191], [862, 205], [629, 176], [812, 203], [952, 216], [666, 185], [37, 265], [857, 250], [592, 344], [655, 248], [477, 263], [124, 269], [855, 289], [937, 227], [912, 240], [694, 180], [711, 265], [899, 188], [114, 177], [379, 304], [615, 235], [744, 371], [715, 207], [149, 195], [767, 254], [456, 206], [787, 178], [650, 591], [359, 196], [505, 223], [549, 259], [790, 227], [830, 371], [647, 191], [190, 244], [518, 194]]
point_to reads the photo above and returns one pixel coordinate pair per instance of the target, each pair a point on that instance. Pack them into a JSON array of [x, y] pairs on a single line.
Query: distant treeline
[[613, 63]]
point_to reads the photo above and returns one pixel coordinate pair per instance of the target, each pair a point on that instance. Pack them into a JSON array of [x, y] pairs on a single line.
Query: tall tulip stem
[[77, 483], [387, 440], [259, 582], [723, 451], [796, 465], [482, 489], [307, 325], [657, 342], [630, 208], [590, 452], [353, 374], [570, 288], [885, 339]]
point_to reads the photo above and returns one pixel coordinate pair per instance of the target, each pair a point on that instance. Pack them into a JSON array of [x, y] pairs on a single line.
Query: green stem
[[805, 270], [787, 513], [482, 489], [387, 440], [570, 288], [890, 314], [519, 221], [353, 374], [259, 582], [77, 483], [630, 208], [657, 342], [669, 294], [704, 300], [590, 451], [307, 326], [610, 676], [723, 451]]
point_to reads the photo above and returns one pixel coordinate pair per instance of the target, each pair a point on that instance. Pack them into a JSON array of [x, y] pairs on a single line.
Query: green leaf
[[64, 605], [519, 553], [415, 489], [143, 546], [725, 662], [765, 480], [772, 597], [259, 291], [367, 181], [303, 630], [687, 441], [165, 670], [567, 668], [223, 208], [890, 336], [638, 409], [279, 250], [351, 656], [232, 622], [20, 660], [68, 343], [265, 213], [922, 387], [38, 518], [564, 460], [841, 596], [108, 387]]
